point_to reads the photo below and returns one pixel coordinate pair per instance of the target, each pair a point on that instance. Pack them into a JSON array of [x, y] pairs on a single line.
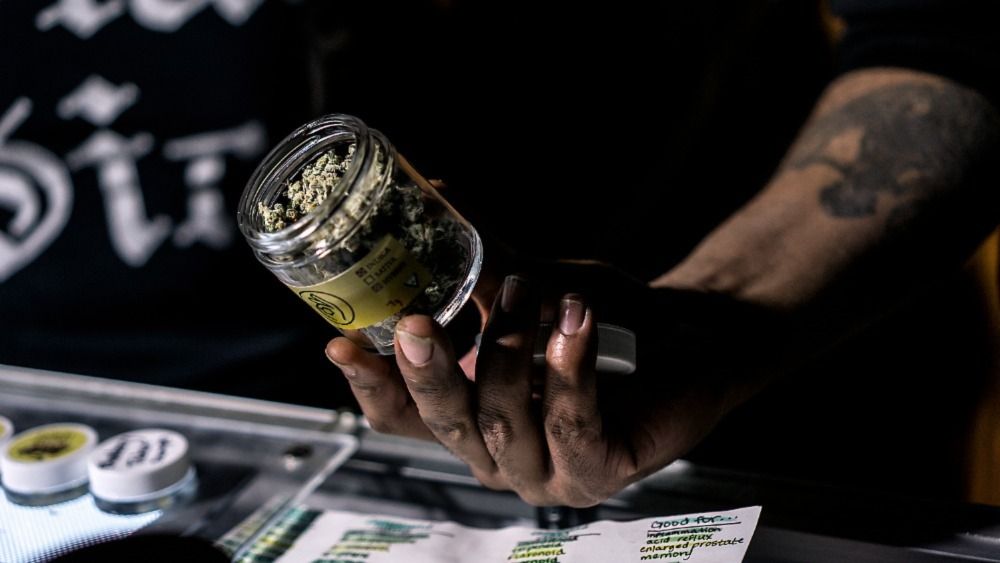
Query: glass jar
[[368, 239]]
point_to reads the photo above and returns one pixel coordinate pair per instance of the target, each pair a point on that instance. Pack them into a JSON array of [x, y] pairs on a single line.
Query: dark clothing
[[952, 38], [129, 135]]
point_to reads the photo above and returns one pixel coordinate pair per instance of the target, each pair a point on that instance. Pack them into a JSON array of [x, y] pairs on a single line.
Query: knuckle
[[559, 353], [497, 429], [365, 390], [568, 428], [569, 362], [432, 384], [450, 430], [428, 386], [512, 341]]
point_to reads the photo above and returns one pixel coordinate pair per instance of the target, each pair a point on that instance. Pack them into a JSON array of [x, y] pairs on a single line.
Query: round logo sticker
[[49, 443], [335, 309]]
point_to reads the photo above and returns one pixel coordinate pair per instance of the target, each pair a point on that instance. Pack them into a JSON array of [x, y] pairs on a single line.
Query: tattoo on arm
[[898, 146]]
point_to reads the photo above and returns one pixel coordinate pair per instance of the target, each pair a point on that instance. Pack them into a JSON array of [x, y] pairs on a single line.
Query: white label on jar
[[373, 289]]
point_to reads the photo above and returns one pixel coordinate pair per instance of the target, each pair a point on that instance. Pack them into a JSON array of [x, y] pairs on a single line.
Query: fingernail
[[572, 312], [416, 349], [513, 293]]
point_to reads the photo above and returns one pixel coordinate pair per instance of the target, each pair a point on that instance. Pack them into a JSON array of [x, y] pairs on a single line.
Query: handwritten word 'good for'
[[686, 521]]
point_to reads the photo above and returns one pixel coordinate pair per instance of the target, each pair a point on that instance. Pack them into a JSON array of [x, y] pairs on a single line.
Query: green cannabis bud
[[305, 194]]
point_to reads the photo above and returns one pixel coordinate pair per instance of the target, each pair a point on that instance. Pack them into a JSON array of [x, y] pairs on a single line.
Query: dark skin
[[891, 161]]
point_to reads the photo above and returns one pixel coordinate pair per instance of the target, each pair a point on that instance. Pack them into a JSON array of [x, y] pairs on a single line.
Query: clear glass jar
[[380, 244]]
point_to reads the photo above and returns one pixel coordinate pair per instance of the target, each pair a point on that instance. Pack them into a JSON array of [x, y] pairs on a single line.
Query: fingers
[[507, 416], [379, 390], [443, 395], [502, 260], [572, 419], [550, 452]]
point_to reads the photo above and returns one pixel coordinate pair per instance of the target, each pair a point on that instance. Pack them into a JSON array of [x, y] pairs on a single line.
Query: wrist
[[730, 349]]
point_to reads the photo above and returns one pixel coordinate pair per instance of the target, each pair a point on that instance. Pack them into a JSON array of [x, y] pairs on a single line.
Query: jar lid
[[139, 465], [47, 459], [615, 348]]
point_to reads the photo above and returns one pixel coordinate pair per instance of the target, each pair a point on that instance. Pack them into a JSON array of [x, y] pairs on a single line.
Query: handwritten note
[[345, 537]]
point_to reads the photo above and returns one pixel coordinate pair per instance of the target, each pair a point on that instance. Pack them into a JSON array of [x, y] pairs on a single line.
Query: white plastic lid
[[615, 349], [138, 465], [47, 459]]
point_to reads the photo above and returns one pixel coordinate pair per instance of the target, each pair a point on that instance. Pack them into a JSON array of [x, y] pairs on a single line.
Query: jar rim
[[287, 159]]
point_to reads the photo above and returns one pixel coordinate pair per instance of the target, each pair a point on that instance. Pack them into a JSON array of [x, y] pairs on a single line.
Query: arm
[[892, 183], [890, 179], [894, 176]]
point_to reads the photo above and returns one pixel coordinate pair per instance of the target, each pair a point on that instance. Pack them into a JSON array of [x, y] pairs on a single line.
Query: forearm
[[895, 175], [892, 183]]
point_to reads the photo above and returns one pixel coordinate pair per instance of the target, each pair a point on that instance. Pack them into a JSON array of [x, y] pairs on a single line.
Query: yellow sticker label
[[373, 289], [46, 444]]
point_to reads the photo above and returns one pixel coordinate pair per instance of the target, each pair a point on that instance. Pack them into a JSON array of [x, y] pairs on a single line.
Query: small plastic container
[[47, 464], [378, 243], [141, 471]]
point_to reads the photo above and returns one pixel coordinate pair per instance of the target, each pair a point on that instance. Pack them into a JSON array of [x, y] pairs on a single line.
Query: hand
[[562, 434]]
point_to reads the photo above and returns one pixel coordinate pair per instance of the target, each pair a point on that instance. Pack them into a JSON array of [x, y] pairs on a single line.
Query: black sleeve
[[957, 39]]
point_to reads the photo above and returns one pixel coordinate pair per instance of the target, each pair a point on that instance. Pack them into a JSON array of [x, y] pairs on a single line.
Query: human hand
[[561, 434]]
